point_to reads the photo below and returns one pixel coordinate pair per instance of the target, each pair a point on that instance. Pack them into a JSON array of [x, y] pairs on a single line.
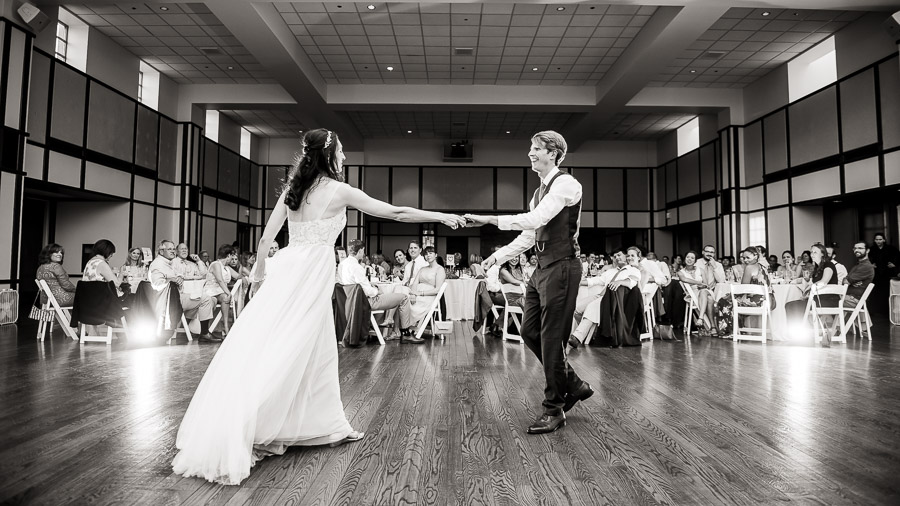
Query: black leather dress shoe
[[411, 339], [574, 342], [210, 338], [547, 423], [579, 395]]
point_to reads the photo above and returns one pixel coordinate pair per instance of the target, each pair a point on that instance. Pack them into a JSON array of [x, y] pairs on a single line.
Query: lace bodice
[[323, 232]]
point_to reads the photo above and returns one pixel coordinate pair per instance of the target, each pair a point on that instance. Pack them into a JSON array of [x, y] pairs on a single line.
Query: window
[[757, 229], [212, 126], [245, 143], [148, 86], [812, 70], [62, 40], [689, 136]]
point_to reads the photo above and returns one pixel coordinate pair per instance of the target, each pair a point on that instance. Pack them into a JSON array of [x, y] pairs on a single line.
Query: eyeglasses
[[711, 252]]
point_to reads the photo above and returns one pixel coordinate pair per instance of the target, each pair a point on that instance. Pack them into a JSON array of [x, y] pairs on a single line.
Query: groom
[[552, 228]]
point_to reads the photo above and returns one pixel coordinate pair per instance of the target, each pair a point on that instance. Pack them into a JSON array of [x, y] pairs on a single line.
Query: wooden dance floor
[[706, 422]]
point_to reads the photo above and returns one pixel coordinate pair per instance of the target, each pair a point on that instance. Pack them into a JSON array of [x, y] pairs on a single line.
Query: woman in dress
[[274, 382], [400, 261], [823, 273], [788, 267], [804, 268], [218, 277], [134, 269], [424, 287], [52, 271], [97, 268], [693, 278], [753, 273], [475, 268]]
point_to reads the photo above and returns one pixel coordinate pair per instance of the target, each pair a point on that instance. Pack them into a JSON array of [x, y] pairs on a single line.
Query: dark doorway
[[687, 237], [243, 236], [34, 219], [459, 245]]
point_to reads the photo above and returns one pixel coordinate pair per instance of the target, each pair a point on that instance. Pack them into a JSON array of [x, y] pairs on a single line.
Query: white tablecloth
[[783, 294], [460, 298]]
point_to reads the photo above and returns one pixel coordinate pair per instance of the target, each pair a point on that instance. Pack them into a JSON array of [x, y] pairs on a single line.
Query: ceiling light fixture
[[390, 69], [766, 13], [230, 67], [534, 69], [163, 8], [508, 132], [371, 7], [409, 131], [560, 9], [693, 72]]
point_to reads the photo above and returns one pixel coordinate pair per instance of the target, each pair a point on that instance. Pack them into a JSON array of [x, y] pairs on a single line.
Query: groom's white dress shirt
[[351, 273], [564, 192], [412, 268], [629, 276]]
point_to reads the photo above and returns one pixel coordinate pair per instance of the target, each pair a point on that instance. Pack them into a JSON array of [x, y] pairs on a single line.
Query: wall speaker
[[33, 16], [892, 25]]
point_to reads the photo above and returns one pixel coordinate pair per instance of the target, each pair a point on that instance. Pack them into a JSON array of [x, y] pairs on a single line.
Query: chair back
[[828, 290], [690, 293], [865, 295], [748, 289], [505, 288]]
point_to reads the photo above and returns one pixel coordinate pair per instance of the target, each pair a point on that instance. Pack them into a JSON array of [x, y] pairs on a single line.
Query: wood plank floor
[[706, 422]]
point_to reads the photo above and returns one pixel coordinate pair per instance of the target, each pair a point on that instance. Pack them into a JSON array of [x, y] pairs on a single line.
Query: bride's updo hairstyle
[[315, 161]]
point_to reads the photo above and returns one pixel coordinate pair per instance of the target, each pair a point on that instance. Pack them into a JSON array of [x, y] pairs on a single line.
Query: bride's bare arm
[[273, 226], [353, 197]]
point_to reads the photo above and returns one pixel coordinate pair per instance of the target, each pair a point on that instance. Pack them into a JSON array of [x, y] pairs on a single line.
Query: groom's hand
[[475, 220], [488, 262]]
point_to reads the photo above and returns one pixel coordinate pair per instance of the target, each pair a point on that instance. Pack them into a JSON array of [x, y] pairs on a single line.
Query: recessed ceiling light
[[534, 69], [230, 67], [766, 13], [693, 72], [390, 69], [508, 132], [560, 8], [409, 131], [370, 7], [163, 8]]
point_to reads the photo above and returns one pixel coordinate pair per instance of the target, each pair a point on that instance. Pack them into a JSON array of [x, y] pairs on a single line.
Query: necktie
[[541, 193]]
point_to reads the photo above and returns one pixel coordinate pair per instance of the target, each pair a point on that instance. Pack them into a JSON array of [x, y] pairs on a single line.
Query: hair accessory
[[327, 140]]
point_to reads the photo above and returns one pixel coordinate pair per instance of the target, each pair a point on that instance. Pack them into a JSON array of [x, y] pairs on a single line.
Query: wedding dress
[[274, 381]]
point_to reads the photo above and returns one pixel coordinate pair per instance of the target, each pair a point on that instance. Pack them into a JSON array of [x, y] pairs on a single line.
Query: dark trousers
[[549, 307]]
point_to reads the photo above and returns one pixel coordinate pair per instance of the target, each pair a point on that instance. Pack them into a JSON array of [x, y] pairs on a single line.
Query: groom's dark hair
[[354, 246]]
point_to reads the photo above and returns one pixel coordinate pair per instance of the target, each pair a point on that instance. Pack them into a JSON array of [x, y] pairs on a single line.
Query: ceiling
[[440, 69]]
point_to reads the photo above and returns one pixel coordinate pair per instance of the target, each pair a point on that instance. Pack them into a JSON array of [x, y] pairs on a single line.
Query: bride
[[274, 381]]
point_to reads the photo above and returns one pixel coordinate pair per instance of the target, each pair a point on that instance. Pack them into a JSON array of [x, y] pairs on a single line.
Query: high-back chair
[[814, 311], [690, 308], [749, 333], [63, 316], [852, 321], [434, 310], [514, 311]]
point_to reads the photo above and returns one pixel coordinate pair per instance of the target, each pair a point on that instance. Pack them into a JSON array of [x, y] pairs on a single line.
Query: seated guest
[[273, 248], [350, 272], [773, 264], [838, 267], [753, 273], [246, 263], [512, 276], [787, 271], [424, 286], [134, 269], [650, 272], [416, 262], [621, 275], [383, 266], [676, 265], [694, 278], [400, 261], [188, 266], [475, 268], [804, 267], [823, 273], [859, 277], [51, 271], [204, 257], [763, 255], [162, 273], [97, 268], [219, 276]]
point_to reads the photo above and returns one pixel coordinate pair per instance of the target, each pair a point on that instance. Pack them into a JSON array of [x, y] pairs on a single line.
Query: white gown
[[274, 381]]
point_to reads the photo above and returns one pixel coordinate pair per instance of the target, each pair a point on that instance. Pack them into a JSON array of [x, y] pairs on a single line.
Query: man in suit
[[551, 227]]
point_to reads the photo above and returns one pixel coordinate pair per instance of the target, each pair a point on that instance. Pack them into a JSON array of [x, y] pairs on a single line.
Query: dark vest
[[556, 240]]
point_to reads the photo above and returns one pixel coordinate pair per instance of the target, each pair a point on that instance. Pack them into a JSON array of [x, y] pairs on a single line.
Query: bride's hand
[[453, 221]]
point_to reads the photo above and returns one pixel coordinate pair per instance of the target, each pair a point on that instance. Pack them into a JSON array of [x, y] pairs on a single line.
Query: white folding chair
[[515, 311], [648, 292], [63, 315], [108, 338], [435, 309], [853, 322], [375, 325], [496, 314], [235, 294], [749, 333], [690, 308], [815, 312], [184, 327]]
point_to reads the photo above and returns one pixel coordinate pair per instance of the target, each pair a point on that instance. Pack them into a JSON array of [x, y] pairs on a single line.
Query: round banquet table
[[782, 294], [460, 298]]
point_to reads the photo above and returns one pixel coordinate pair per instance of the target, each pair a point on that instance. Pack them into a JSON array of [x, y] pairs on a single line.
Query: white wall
[[168, 96], [112, 64], [79, 223], [863, 42], [767, 94], [809, 227]]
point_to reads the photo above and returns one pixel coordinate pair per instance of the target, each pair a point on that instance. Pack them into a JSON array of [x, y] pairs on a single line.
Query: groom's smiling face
[[541, 158]]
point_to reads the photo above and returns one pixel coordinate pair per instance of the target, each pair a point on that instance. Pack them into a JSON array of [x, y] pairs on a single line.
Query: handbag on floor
[[663, 332]]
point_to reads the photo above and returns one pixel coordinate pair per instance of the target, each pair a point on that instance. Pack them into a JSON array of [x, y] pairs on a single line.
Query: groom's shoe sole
[[583, 394]]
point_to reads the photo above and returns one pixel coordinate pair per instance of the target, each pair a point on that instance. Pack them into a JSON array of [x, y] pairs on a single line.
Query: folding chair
[[816, 312], [235, 293], [108, 338], [496, 317], [435, 309], [185, 327], [648, 292], [375, 325], [749, 333], [852, 322], [689, 309], [63, 315], [517, 314]]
